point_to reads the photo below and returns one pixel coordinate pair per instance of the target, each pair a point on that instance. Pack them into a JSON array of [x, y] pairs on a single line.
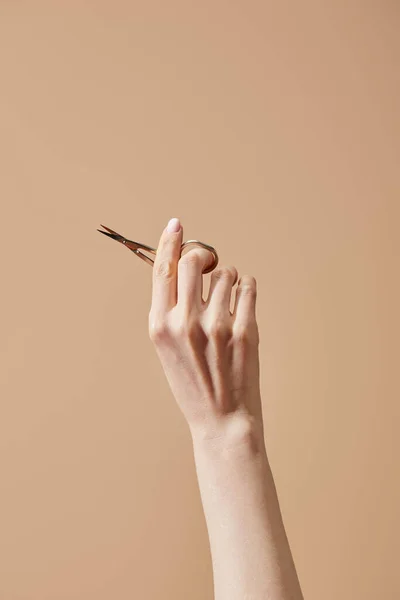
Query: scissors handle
[[206, 247], [150, 261]]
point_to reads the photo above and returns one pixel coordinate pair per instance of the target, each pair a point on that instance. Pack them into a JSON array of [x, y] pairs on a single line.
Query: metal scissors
[[137, 247]]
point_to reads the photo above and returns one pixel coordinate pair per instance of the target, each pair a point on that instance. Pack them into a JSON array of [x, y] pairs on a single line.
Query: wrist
[[235, 435]]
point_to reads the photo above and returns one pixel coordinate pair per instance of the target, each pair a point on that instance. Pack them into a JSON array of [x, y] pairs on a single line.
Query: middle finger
[[190, 277]]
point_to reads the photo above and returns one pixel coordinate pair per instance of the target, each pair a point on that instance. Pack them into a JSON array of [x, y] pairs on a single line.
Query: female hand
[[210, 357], [209, 354]]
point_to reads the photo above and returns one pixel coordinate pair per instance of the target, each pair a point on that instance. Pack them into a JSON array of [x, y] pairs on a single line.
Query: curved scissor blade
[[113, 234]]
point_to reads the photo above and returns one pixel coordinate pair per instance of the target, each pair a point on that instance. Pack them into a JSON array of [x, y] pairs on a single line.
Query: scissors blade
[[133, 246], [120, 238], [112, 234]]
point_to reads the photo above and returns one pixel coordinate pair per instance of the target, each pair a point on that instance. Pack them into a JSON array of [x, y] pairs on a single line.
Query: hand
[[209, 354]]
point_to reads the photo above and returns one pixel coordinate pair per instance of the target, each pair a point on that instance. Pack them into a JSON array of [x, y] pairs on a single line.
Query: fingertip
[[174, 225], [247, 281]]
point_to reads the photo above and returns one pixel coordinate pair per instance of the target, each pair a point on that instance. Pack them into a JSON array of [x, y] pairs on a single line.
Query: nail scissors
[[137, 247]]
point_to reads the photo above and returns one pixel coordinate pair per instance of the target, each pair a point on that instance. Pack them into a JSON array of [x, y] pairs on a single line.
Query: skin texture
[[210, 356]]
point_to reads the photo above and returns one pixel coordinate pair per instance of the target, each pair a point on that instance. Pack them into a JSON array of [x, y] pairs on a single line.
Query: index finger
[[165, 269]]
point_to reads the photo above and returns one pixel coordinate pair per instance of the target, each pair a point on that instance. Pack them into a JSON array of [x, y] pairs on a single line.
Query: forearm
[[250, 553]]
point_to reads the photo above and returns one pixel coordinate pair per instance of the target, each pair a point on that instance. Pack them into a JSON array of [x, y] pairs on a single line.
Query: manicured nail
[[173, 226]]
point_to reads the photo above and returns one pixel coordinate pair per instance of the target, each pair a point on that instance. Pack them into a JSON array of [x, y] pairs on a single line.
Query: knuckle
[[178, 329], [219, 330], [247, 334], [190, 259], [186, 329], [222, 273], [248, 285], [242, 335], [164, 268], [158, 329], [233, 272], [248, 291]]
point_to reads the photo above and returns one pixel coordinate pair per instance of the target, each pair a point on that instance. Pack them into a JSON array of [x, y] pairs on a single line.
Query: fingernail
[[173, 226]]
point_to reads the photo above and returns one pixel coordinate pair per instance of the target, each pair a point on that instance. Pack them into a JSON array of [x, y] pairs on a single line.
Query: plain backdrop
[[272, 130]]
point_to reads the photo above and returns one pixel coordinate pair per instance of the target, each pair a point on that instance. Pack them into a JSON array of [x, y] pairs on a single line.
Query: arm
[[210, 357], [250, 552]]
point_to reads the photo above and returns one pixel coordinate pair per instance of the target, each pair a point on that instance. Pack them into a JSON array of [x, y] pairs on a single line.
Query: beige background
[[272, 130]]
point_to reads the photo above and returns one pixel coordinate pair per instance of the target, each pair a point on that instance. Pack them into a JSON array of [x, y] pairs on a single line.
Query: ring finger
[[222, 281]]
